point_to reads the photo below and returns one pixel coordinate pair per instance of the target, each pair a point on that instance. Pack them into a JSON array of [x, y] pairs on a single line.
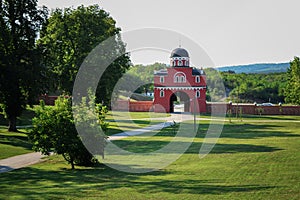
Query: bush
[[54, 130]]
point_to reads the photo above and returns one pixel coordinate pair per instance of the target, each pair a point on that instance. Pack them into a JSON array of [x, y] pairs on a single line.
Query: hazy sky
[[232, 32]]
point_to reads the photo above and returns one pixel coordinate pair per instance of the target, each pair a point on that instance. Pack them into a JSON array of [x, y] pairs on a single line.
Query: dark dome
[[179, 52]]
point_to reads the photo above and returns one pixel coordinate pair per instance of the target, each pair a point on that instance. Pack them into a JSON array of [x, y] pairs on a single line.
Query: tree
[[55, 130], [21, 70], [70, 35], [292, 90]]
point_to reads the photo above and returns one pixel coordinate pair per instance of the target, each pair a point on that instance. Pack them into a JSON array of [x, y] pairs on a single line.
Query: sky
[[231, 32]]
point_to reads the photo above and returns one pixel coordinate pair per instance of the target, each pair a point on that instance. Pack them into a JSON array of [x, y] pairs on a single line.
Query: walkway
[[24, 160], [20, 161]]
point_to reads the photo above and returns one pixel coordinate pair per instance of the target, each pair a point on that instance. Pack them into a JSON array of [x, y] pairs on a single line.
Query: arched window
[[179, 77], [162, 79], [197, 93], [197, 79], [179, 63], [182, 79], [187, 63], [162, 93]]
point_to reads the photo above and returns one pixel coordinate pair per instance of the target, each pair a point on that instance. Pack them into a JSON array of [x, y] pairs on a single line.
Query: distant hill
[[262, 68]]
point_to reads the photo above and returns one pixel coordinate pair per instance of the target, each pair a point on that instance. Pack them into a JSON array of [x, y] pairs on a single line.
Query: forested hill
[[262, 68]]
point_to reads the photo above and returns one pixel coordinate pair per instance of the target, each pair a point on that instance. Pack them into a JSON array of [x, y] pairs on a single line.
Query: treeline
[[247, 88], [255, 87]]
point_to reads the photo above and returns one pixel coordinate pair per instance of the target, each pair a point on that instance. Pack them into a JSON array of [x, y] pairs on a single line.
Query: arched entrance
[[180, 100]]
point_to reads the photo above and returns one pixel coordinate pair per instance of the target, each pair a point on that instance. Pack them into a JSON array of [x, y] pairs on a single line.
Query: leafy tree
[[55, 130], [21, 75], [292, 90], [255, 87], [70, 35]]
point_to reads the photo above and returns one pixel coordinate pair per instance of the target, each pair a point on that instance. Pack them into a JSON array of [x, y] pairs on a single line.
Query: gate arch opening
[[179, 102]]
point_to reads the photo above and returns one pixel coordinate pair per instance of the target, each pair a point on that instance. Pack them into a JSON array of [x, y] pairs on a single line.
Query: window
[[162, 93], [197, 93], [179, 63], [197, 79], [162, 79], [179, 77], [182, 79]]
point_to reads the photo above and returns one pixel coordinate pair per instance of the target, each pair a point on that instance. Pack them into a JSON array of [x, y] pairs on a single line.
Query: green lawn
[[12, 144], [124, 121], [252, 160]]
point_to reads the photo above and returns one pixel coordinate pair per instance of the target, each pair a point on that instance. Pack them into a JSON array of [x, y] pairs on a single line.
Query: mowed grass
[[251, 160], [12, 144], [126, 121]]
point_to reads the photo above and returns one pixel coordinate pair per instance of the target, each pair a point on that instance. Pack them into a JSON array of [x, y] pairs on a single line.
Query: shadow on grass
[[141, 146], [14, 140], [35, 183], [236, 131], [252, 131]]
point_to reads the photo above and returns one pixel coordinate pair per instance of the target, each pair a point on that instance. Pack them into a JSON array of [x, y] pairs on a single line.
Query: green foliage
[[144, 74], [22, 77], [292, 90], [255, 87], [54, 129], [69, 36]]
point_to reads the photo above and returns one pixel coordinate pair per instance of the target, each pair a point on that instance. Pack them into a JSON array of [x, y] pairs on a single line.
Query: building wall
[[162, 104], [146, 106]]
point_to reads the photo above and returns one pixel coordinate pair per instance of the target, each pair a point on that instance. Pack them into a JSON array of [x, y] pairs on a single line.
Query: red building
[[180, 83]]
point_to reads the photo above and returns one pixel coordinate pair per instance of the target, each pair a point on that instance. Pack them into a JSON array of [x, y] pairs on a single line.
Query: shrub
[[54, 130]]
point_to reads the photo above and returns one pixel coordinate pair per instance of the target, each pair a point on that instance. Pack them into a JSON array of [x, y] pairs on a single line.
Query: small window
[[197, 79], [162, 79], [179, 63], [197, 93], [176, 79], [182, 79], [162, 93]]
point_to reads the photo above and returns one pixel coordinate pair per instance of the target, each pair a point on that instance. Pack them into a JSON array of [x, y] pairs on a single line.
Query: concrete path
[[20, 161], [177, 117], [24, 160]]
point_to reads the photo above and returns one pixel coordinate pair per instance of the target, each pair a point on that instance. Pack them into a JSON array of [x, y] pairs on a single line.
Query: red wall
[[162, 104], [253, 109], [139, 106], [146, 106]]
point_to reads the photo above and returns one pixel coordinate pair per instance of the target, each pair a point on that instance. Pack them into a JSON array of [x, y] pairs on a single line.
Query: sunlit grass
[[12, 144], [250, 161]]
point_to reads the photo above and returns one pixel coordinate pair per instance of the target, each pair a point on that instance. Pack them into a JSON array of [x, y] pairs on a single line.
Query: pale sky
[[231, 32]]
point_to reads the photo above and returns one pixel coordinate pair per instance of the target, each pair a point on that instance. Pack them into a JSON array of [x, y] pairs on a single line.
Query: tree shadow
[[252, 131], [147, 146], [35, 183], [18, 141]]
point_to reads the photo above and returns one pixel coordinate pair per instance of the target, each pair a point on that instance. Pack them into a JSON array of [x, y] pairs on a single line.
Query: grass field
[[12, 144], [124, 121], [253, 159]]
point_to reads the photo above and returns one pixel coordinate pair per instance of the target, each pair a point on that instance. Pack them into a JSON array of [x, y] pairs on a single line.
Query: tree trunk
[[12, 127], [72, 162]]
